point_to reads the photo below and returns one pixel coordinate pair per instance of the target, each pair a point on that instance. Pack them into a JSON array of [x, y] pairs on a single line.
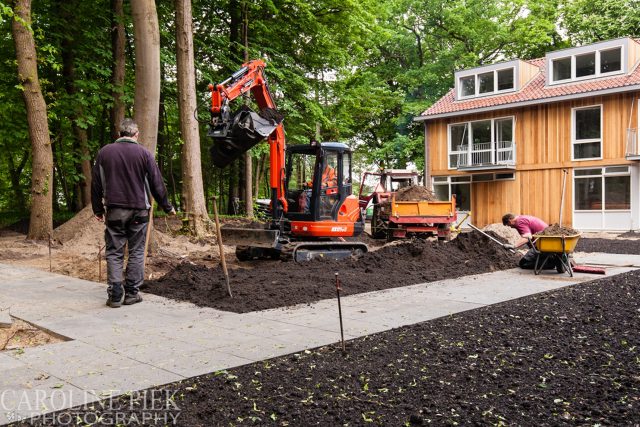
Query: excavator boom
[[234, 134]]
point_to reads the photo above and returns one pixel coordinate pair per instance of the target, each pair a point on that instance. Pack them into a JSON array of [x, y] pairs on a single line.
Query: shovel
[[491, 238]]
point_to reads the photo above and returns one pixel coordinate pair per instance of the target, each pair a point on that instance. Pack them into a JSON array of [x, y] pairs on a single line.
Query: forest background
[[356, 71]]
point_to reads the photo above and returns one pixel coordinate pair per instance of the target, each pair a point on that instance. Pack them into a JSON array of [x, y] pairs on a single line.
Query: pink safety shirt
[[527, 224]]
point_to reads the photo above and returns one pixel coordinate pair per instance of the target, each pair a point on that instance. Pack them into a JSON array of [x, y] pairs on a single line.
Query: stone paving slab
[[161, 341], [620, 260]]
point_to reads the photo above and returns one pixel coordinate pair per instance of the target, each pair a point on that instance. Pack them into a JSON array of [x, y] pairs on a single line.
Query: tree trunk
[[259, 171], [248, 166], [15, 171], [41, 219], [81, 139], [192, 187], [233, 187], [146, 39], [118, 40]]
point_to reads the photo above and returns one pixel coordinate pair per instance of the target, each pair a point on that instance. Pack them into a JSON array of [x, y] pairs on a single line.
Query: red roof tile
[[534, 90]]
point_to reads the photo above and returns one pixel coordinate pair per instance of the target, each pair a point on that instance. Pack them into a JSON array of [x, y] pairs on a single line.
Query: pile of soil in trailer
[[558, 230], [565, 357], [414, 192], [262, 285], [610, 246]]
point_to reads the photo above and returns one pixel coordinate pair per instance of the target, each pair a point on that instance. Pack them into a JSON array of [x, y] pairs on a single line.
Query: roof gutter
[[601, 92]]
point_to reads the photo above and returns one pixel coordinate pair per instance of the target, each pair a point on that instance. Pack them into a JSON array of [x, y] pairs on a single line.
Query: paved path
[[112, 351]]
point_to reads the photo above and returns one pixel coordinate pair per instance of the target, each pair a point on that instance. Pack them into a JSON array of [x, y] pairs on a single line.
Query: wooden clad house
[[502, 138]]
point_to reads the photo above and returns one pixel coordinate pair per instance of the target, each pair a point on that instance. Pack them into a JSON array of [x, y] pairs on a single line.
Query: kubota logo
[[338, 228]]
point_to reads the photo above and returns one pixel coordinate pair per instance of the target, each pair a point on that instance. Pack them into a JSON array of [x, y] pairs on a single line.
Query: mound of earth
[[415, 192], [503, 233], [558, 230], [262, 285]]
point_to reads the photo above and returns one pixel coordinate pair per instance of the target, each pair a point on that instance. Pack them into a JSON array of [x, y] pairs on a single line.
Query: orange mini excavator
[[312, 208]]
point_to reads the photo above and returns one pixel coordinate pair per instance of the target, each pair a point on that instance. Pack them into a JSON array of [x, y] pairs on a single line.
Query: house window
[[486, 83], [602, 189], [587, 133], [610, 60], [505, 79], [481, 132], [444, 187], [584, 65], [481, 142], [458, 141], [468, 86], [562, 69]]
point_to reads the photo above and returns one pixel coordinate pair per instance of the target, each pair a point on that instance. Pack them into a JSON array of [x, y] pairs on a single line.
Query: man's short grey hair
[[128, 127]]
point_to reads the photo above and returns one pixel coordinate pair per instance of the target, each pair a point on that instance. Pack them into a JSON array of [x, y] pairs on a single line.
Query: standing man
[[527, 226], [123, 176]]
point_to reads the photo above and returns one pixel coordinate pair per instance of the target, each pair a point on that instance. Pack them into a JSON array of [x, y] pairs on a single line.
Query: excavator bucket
[[255, 237], [246, 129]]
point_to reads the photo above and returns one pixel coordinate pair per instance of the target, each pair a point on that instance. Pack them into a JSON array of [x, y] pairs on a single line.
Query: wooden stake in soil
[[564, 185], [338, 289], [100, 248], [219, 235], [148, 236], [50, 267]]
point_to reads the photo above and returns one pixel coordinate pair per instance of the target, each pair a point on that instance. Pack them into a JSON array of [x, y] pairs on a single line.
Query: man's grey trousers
[[125, 226]]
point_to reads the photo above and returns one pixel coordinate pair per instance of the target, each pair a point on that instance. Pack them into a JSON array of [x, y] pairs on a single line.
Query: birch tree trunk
[[192, 186], [41, 219], [146, 39]]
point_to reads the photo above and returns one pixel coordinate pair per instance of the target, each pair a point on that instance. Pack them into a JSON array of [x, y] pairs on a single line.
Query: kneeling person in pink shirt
[[527, 226]]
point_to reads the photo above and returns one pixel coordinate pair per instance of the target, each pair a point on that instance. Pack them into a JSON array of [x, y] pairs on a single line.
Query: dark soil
[[633, 234], [558, 230], [611, 246], [566, 357], [414, 192], [262, 285]]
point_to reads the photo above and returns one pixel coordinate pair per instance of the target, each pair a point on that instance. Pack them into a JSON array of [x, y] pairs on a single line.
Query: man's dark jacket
[[122, 175]]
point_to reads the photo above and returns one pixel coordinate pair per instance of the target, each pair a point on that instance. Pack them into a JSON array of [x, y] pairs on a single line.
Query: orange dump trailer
[[413, 218]]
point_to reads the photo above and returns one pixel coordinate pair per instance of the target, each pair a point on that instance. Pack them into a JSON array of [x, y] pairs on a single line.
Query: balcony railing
[[487, 155], [632, 151]]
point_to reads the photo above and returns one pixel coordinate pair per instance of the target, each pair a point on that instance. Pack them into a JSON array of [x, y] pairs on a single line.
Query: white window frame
[[572, 53], [477, 83], [602, 175], [575, 142], [449, 183], [469, 133]]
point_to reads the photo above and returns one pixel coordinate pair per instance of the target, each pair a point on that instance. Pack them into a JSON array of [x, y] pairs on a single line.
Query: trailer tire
[[378, 226]]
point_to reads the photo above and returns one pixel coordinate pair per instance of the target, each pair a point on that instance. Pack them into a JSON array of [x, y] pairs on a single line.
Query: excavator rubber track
[[307, 251], [303, 251]]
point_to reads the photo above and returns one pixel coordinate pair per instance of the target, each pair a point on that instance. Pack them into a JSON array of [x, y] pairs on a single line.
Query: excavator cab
[[318, 181]]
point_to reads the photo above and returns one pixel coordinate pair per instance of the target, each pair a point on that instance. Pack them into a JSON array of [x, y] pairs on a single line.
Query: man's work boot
[[115, 294], [131, 299]]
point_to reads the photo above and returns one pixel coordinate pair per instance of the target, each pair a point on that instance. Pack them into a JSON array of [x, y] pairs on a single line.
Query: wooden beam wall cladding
[[535, 192], [543, 141], [634, 53]]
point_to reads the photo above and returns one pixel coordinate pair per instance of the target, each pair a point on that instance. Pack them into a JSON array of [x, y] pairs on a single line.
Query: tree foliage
[[357, 71]]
